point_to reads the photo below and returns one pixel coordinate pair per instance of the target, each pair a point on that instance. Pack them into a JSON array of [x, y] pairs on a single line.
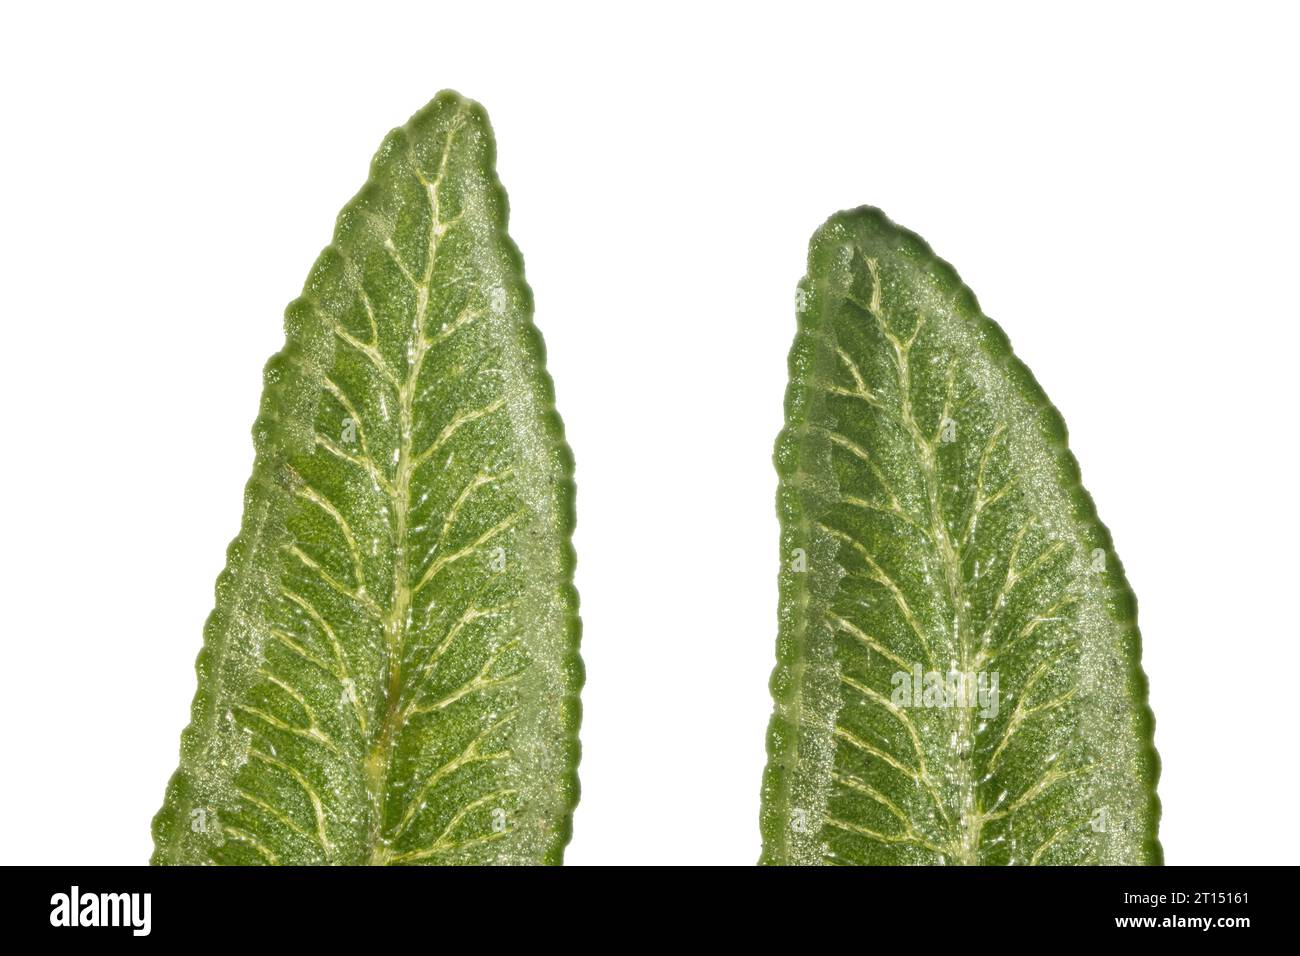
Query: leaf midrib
[[970, 820], [379, 759]]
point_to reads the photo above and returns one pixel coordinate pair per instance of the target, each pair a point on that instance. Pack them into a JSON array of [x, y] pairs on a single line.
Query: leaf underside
[[391, 671], [936, 539]]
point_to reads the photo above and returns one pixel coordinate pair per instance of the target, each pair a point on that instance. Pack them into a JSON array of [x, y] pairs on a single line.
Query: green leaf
[[391, 671], [958, 676]]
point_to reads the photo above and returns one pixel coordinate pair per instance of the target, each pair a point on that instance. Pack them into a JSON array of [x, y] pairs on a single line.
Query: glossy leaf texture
[[958, 676], [391, 672]]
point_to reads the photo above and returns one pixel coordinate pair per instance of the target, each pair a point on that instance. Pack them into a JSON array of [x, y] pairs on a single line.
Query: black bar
[[334, 905]]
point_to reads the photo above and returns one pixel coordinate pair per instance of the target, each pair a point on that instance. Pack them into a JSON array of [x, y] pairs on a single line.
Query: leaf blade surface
[[958, 676], [391, 671]]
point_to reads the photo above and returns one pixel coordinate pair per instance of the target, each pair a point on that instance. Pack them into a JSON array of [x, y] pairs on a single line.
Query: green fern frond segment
[[391, 673], [958, 677]]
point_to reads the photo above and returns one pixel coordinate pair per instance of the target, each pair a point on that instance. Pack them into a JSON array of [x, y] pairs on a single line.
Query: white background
[[1117, 183]]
